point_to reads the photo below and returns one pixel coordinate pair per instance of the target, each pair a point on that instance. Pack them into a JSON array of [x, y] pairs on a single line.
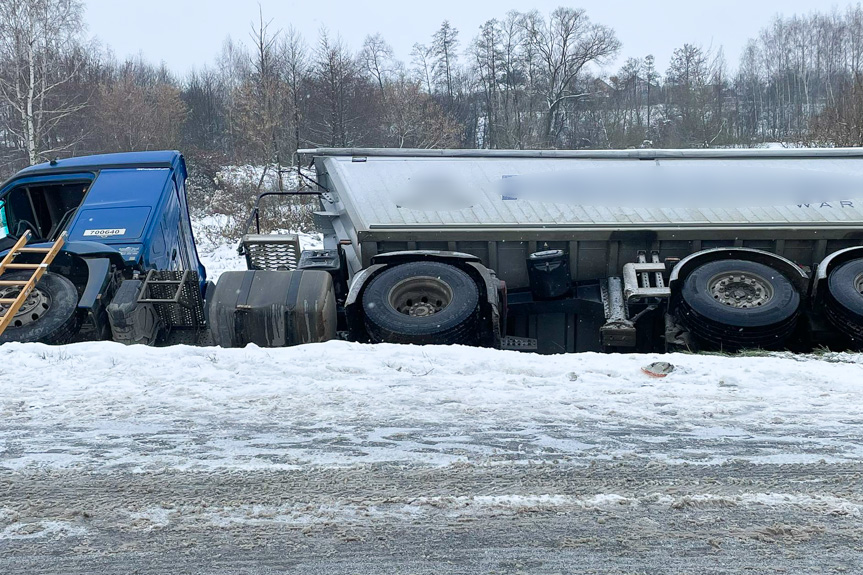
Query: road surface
[[342, 458]]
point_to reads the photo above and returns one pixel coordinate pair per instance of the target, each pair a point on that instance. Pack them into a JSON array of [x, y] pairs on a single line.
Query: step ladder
[[12, 305]]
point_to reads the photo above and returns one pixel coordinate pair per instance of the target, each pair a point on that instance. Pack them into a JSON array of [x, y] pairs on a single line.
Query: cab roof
[[156, 159]]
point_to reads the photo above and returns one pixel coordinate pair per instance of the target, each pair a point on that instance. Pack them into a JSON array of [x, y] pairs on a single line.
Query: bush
[[230, 191]]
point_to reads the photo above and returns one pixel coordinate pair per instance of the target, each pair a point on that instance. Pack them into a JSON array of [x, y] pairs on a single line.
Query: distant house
[[602, 88]]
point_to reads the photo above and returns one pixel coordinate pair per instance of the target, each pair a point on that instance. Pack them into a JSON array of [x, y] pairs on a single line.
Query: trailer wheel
[[48, 315], [421, 303], [735, 304], [844, 303]]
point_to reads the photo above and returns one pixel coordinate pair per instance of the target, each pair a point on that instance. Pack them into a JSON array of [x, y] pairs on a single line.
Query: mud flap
[[132, 322]]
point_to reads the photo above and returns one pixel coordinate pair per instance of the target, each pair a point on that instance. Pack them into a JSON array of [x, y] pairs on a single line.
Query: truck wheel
[[735, 304], [48, 315], [844, 302], [421, 303]]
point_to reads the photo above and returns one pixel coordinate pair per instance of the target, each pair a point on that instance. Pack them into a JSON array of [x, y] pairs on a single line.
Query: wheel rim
[[858, 284], [740, 290], [34, 307], [420, 296]]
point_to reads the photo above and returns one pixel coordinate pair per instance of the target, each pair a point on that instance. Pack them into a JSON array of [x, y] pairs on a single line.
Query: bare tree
[[487, 55], [34, 35], [294, 58], [336, 71], [687, 78], [841, 124], [650, 76], [445, 53], [261, 100], [376, 58], [139, 109], [415, 120], [514, 71], [423, 65], [564, 45]]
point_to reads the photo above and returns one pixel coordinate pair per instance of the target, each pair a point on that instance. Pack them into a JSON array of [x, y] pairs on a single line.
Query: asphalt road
[[607, 517]]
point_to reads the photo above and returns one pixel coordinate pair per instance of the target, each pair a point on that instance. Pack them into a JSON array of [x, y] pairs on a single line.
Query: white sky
[[187, 34]]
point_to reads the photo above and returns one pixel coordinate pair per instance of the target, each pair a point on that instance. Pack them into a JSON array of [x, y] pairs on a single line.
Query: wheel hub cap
[[422, 309], [420, 296], [740, 289], [34, 307], [858, 284]]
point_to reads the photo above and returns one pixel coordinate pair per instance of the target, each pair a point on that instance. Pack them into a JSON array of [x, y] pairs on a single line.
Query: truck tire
[[736, 304], [422, 303], [844, 301], [48, 315]]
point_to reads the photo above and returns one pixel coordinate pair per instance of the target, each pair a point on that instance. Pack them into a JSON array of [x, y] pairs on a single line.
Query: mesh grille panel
[[272, 252], [176, 295]]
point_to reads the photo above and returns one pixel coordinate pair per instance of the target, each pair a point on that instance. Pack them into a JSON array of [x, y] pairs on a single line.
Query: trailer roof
[[378, 189], [643, 154]]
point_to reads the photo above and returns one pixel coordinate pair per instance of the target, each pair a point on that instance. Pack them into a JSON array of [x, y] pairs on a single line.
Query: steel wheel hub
[[420, 296], [34, 307], [740, 289]]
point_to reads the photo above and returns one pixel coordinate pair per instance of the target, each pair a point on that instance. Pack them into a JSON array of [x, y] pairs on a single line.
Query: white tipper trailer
[[564, 251]]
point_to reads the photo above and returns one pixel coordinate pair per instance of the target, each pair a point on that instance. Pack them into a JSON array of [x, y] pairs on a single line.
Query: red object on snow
[[658, 369]]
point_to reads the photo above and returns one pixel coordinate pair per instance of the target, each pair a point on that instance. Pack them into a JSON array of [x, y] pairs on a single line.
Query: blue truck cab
[[124, 214]]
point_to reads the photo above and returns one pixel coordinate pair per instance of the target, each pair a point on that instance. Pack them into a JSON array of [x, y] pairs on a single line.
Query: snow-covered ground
[[104, 406], [217, 244]]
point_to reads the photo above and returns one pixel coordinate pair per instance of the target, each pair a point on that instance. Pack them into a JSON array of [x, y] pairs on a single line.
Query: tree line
[[522, 80]]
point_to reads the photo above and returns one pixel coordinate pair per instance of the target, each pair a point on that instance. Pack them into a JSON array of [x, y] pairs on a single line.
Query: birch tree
[[34, 35]]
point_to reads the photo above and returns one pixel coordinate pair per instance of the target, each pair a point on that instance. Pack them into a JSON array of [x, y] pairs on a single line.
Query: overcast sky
[[188, 34]]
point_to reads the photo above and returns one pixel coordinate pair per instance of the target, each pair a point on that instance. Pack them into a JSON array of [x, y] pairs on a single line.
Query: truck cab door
[[186, 240], [170, 224]]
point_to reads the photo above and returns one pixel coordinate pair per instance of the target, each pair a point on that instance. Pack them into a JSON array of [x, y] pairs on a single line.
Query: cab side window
[[4, 229]]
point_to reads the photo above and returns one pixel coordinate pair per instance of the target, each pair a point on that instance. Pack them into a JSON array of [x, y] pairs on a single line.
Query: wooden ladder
[[14, 304]]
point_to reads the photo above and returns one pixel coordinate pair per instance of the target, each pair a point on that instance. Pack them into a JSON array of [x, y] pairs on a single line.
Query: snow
[[38, 529], [251, 175], [101, 406], [462, 507], [218, 241]]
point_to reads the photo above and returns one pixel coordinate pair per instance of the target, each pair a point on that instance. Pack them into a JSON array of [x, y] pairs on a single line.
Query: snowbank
[[105, 406]]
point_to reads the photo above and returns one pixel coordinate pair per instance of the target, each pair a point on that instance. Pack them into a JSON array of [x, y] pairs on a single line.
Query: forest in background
[[522, 80]]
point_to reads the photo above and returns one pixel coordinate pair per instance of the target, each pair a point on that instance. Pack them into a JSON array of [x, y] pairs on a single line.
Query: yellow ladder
[[14, 304]]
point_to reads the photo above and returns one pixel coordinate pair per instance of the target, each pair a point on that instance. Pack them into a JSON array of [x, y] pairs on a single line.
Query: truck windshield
[[42, 208]]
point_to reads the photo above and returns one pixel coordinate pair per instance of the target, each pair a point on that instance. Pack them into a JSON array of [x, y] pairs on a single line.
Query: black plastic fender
[[132, 322], [795, 274], [828, 264]]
